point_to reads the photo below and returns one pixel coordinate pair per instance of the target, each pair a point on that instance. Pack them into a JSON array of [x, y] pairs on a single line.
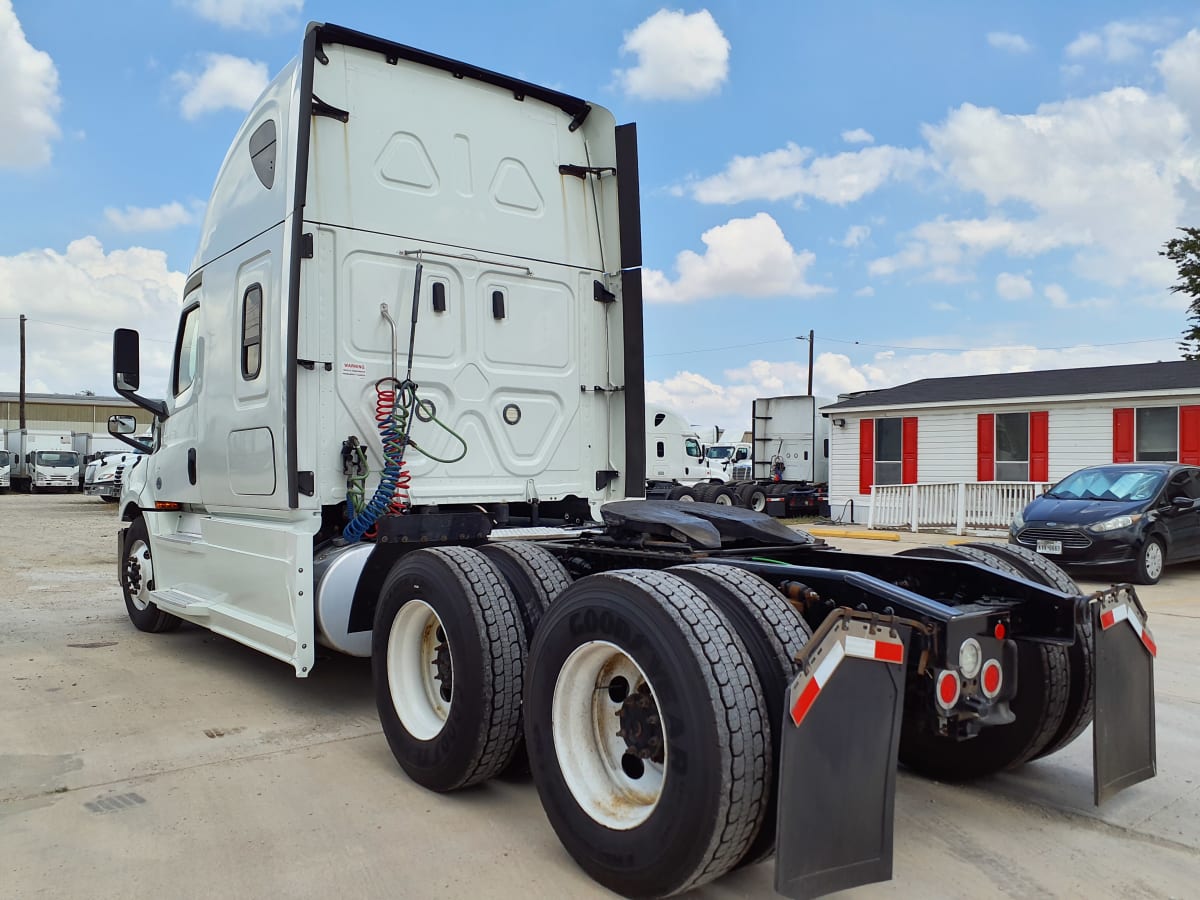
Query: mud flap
[[1123, 742], [837, 776]]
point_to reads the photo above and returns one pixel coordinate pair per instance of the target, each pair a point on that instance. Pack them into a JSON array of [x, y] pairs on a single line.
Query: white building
[[1028, 428]]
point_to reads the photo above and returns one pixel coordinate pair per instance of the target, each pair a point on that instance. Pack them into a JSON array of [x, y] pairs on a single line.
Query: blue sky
[[932, 188]]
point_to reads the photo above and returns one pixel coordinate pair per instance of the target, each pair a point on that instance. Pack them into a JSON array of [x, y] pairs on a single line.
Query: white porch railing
[[951, 504]]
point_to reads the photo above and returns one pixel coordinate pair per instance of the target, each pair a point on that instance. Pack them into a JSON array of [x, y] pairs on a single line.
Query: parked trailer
[[694, 686]]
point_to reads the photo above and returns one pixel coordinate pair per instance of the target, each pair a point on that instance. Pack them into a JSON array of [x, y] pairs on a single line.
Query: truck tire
[[448, 664], [534, 575], [1080, 655], [680, 492], [1039, 712], [638, 648], [723, 496], [137, 580], [704, 492], [774, 635], [756, 498]]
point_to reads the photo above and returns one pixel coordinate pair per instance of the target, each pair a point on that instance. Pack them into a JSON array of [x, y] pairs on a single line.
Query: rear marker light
[[991, 679], [1000, 631], [948, 689]]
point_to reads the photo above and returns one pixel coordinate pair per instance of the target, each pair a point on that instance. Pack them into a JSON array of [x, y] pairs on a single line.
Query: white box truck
[[44, 461], [414, 319], [6, 463]]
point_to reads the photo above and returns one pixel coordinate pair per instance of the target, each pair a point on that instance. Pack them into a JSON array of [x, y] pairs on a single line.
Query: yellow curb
[[856, 535]]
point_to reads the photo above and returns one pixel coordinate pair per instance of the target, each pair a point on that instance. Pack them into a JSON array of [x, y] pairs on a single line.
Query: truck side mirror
[[122, 424], [126, 360]]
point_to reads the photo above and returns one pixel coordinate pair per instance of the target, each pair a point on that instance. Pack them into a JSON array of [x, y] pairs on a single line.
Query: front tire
[[448, 662], [646, 733], [1150, 561], [137, 582]]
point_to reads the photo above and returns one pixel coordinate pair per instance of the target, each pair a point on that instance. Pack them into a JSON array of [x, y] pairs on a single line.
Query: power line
[[915, 349], [80, 328]]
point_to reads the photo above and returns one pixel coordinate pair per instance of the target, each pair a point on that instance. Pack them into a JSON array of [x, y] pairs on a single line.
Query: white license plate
[[1050, 547]]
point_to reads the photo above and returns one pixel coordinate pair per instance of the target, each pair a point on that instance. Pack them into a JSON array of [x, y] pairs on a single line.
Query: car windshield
[[1122, 485], [719, 452], [52, 458]]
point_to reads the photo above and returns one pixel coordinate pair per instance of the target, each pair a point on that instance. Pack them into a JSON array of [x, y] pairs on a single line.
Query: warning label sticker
[[357, 370]]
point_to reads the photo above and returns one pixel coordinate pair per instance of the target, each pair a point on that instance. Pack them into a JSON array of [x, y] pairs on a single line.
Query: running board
[[173, 600]]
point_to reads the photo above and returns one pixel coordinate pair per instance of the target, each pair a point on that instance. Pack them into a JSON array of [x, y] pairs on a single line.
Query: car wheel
[[1150, 561]]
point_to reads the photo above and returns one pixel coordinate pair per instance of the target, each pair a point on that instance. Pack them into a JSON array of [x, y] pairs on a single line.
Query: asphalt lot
[[185, 765]]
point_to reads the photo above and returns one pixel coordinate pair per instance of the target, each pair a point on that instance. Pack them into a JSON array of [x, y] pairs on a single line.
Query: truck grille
[[1075, 540]]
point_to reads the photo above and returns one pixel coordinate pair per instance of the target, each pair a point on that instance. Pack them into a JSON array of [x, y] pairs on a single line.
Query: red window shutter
[[1189, 435], [986, 448], [1123, 435], [908, 457], [866, 455], [1039, 446]]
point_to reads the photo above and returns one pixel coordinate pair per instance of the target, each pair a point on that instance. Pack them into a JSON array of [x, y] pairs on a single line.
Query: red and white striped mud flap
[[1123, 739], [837, 775]]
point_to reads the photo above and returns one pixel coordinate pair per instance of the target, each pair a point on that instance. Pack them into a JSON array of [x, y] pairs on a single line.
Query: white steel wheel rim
[[758, 501], [1154, 559], [589, 750], [723, 500], [140, 553], [412, 670], [687, 498]]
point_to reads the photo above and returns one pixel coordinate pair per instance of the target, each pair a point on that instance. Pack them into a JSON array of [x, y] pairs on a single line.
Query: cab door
[[173, 467]]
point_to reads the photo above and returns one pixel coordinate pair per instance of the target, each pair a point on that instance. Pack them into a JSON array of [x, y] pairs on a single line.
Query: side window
[[252, 332], [186, 349], [691, 447], [662, 449], [262, 152]]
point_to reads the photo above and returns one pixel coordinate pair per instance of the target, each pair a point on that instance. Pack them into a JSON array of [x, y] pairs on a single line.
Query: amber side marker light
[[167, 506]]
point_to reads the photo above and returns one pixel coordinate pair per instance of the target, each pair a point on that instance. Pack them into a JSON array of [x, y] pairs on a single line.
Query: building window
[[1156, 434], [252, 333], [1012, 446], [888, 451]]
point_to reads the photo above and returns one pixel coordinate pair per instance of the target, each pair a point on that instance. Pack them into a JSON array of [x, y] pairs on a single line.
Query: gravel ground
[[185, 765]]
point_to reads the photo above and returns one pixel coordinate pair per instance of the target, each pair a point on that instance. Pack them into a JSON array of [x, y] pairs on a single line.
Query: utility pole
[[22, 401], [810, 361]]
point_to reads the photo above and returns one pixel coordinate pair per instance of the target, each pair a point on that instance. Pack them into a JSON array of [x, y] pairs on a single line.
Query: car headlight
[[1115, 523], [1018, 523]]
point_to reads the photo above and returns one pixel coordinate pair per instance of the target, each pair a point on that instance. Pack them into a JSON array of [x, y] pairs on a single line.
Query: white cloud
[[1013, 287], [28, 97], [255, 15], [1060, 299], [744, 257], [86, 293], [1057, 295], [1179, 66], [1118, 42], [855, 235], [792, 172], [158, 218], [227, 82], [943, 306], [858, 136], [1009, 42], [866, 291], [679, 56]]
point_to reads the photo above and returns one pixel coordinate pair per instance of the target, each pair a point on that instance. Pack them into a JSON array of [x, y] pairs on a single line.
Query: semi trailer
[[412, 332]]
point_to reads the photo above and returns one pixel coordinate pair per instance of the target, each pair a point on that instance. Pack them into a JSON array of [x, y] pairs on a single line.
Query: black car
[[1136, 517]]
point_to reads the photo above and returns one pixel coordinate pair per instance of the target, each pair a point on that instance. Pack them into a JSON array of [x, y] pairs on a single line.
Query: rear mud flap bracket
[[837, 781], [1123, 740]]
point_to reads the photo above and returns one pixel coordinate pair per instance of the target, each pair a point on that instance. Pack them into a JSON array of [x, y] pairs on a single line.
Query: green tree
[[1185, 253]]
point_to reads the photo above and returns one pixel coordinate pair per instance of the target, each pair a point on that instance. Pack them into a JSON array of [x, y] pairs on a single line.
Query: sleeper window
[[252, 332]]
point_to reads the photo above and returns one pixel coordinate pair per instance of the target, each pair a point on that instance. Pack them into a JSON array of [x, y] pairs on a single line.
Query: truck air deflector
[[837, 776], [700, 521], [575, 107], [1123, 739]]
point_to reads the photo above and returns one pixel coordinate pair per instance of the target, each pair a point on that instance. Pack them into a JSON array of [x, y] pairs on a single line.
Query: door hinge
[[585, 171], [306, 245], [321, 108], [604, 477], [601, 294], [311, 364], [306, 483]]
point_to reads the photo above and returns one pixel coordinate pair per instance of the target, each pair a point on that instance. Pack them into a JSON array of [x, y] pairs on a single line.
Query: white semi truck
[[43, 460], [414, 318]]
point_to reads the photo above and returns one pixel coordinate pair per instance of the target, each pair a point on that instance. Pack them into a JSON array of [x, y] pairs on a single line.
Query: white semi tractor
[[43, 460], [414, 318]]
